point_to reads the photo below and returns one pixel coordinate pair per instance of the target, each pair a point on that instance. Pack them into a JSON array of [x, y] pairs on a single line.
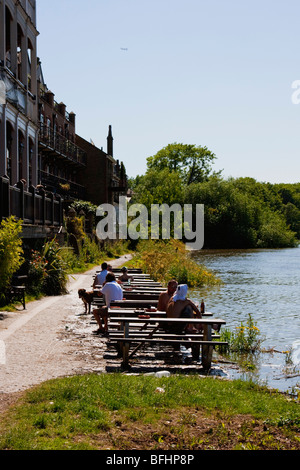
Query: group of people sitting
[[174, 301], [111, 290]]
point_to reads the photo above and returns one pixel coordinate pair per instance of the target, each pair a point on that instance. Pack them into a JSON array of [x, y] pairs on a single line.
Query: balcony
[[53, 142], [117, 185], [61, 186], [15, 92], [31, 207]]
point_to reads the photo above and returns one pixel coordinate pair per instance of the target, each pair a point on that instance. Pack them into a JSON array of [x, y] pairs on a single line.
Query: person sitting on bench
[[100, 277], [125, 276], [181, 307], [165, 297], [111, 291]]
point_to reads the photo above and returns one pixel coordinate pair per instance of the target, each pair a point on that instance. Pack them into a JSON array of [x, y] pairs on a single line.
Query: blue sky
[[216, 73]]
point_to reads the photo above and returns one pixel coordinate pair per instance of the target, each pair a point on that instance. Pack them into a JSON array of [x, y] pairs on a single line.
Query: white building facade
[[18, 92]]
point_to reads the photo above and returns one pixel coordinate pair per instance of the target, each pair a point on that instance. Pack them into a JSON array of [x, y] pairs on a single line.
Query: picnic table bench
[[16, 291], [151, 333]]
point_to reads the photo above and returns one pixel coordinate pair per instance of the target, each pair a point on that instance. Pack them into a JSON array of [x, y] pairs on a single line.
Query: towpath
[[45, 341]]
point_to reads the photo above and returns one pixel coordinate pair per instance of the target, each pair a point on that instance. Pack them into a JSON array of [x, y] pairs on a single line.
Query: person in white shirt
[[111, 291], [100, 278]]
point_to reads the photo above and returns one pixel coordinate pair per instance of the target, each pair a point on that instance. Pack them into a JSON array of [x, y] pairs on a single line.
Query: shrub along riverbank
[[168, 259], [119, 412]]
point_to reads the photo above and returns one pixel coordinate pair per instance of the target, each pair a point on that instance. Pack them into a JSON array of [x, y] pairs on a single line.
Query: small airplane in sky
[[124, 49]]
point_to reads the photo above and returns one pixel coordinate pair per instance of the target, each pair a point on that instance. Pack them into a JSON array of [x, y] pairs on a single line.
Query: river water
[[266, 284]]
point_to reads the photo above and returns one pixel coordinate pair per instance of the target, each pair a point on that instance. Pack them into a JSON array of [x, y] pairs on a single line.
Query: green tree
[[192, 163], [158, 187], [240, 214]]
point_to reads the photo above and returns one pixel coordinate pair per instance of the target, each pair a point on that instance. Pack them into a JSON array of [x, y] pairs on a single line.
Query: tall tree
[[191, 162]]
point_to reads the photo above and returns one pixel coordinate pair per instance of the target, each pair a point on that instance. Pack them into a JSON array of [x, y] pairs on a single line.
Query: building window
[[30, 158], [48, 130], [21, 154], [8, 20], [9, 137], [29, 58]]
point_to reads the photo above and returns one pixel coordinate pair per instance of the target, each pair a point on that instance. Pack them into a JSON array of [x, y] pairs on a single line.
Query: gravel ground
[[52, 338]]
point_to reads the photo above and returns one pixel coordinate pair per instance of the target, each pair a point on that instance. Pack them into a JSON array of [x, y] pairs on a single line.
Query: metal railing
[[62, 186], [60, 144], [32, 207]]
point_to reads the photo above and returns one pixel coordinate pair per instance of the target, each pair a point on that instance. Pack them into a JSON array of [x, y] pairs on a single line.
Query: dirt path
[[46, 341]]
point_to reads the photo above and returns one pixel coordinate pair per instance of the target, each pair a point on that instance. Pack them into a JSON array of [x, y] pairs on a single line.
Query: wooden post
[[32, 190], [43, 215], [51, 197], [61, 217], [125, 364], [207, 350]]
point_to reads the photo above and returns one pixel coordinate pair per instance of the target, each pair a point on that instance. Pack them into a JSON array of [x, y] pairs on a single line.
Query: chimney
[[72, 117], [110, 140]]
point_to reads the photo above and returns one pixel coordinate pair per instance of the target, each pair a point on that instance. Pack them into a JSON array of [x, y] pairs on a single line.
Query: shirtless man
[[125, 276], [182, 307], [165, 297]]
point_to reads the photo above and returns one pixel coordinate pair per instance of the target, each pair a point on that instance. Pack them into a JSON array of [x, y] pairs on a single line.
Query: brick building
[[101, 176], [60, 159], [39, 145]]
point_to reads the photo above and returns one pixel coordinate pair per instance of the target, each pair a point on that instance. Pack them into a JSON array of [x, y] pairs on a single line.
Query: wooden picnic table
[[122, 311], [134, 276], [134, 303], [131, 299], [150, 335], [136, 288], [141, 285], [130, 270], [133, 312], [140, 295]]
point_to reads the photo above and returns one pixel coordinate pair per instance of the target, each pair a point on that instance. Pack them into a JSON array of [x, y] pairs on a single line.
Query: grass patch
[[116, 411]]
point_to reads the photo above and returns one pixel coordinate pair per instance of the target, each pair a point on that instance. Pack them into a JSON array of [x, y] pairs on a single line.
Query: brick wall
[[96, 177]]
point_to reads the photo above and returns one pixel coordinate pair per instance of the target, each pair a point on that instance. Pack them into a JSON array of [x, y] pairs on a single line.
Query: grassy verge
[[119, 412]]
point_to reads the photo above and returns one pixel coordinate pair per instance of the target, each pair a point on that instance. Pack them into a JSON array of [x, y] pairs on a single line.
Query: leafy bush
[[85, 206], [11, 252], [56, 279], [166, 260], [36, 274], [47, 271], [75, 226]]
